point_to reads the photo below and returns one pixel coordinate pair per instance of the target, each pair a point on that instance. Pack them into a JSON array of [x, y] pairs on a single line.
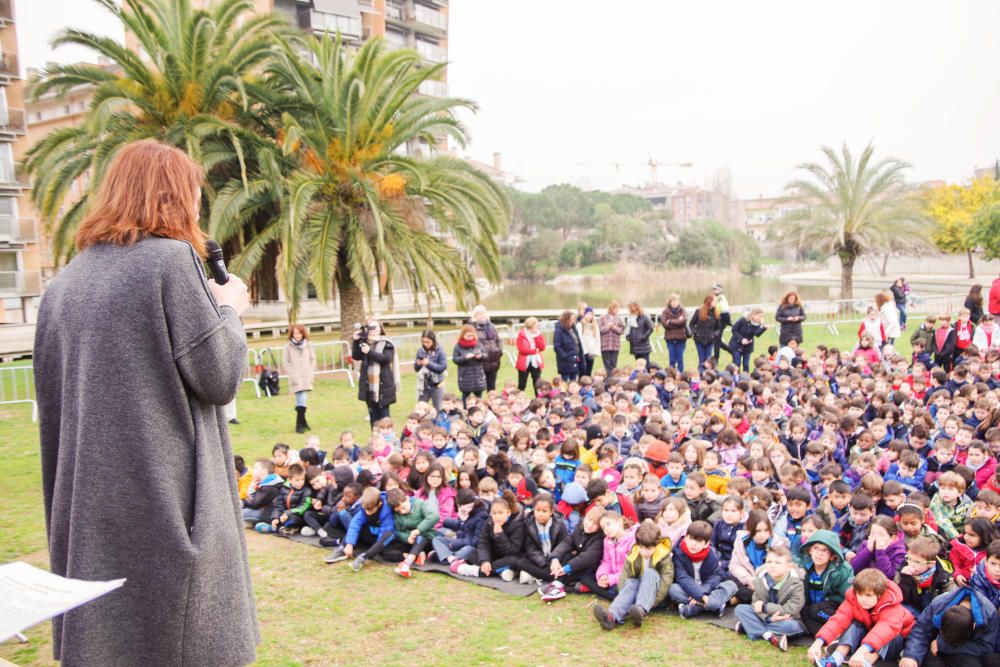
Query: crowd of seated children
[[850, 495]]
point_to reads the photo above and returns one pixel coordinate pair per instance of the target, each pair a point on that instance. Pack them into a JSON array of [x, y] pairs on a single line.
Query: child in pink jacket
[[618, 542]]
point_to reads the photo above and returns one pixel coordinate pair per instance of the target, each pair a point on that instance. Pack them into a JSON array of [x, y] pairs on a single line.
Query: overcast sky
[[568, 89]]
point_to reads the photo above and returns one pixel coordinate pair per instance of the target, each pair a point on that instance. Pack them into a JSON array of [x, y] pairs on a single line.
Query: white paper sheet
[[31, 595]]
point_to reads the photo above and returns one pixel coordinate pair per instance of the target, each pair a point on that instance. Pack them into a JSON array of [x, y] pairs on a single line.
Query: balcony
[[8, 66], [428, 20], [17, 230], [393, 13], [12, 178], [20, 283], [13, 122], [322, 22], [6, 12], [432, 52], [434, 88]]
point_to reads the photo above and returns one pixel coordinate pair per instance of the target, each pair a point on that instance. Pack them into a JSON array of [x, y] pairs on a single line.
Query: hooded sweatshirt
[[837, 577]]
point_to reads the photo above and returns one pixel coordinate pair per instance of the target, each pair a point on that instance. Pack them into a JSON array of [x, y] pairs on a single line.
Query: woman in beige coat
[[299, 364]]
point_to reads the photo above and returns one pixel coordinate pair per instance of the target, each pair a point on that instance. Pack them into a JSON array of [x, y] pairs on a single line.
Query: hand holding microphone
[[227, 289]]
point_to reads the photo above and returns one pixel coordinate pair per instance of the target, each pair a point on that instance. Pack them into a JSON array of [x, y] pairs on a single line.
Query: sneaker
[[551, 593], [738, 628], [329, 541], [603, 617], [830, 661], [263, 527], [524, 578], [421, 558], [307, 531], [507, 575], [336, 556], [455, 564], [287, 530], [468, 570], [403, 570], [690, 610], [358, 563], [722, 611], [321, 532], [779, 641], [636, 615], [581, 588]]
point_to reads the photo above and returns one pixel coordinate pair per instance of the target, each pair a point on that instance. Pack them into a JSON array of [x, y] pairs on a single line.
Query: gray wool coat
[[133, 361]]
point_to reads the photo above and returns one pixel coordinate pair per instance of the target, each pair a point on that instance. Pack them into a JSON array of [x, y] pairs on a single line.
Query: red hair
[[150, 189]]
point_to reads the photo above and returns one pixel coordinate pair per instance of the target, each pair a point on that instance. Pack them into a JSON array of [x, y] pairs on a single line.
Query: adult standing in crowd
[[530, 345], [379, 379], [790, 315], [974, 302], [431, 365], [725, 319], [590, 337], [299, 362], [995, 297], [638, 331], [568, 347], [611, 326], [888, 315], [137, 478], [491, 343], [674, 322], [705, 328], [900, 291], [470, 358]]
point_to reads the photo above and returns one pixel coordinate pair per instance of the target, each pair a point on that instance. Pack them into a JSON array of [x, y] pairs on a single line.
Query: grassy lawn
[[604, 268], [333, 616]]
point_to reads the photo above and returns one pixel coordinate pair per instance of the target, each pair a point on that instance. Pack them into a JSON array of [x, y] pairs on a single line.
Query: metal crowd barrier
[[331, 357], [17, 385]]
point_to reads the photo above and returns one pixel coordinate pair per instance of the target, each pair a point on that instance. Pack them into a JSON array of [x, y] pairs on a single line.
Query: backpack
[[268, 380]]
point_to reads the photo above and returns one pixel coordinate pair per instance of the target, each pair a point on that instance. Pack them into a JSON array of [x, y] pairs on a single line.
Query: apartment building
[[20, 263]]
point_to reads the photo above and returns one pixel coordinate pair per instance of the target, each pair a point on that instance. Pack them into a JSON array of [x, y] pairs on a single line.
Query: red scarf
[[463, 342], [696, 557]]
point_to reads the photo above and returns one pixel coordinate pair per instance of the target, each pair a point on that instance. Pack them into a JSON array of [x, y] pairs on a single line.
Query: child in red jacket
[[871, 623]]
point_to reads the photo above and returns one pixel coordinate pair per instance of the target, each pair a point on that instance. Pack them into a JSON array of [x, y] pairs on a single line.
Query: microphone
[[217, 262]]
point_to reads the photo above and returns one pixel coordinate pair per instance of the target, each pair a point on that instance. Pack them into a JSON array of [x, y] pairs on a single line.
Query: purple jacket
[[888, 561]]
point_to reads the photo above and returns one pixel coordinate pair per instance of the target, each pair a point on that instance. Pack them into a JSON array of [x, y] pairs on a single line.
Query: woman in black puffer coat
[[469, 357], [790, 315]]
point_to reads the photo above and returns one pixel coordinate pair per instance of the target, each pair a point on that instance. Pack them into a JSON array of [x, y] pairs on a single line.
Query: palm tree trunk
[[352, 305], [972, 269], [885, 263], [847, 275]]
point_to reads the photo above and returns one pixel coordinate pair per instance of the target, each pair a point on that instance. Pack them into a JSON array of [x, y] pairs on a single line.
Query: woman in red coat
[[530, 345]]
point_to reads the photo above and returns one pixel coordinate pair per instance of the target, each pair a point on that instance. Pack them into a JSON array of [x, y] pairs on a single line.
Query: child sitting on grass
[[414, 521], [501, 541], [648, 574], [870, 624], [778, 598], [700, 583]]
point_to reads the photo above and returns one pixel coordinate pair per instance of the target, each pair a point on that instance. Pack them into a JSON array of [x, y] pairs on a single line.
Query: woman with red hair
[[135, 355]]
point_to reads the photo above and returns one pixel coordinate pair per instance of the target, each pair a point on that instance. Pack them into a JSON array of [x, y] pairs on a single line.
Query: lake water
[[600, 291]]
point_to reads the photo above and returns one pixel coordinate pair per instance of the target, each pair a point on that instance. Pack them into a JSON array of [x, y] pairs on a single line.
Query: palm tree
[[188, 88], [356, 212], [852, 208]]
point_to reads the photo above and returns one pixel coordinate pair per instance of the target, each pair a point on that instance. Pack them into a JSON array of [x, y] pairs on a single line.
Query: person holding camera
[[491, 343], [379, 369], [431, 365], [470, 357]]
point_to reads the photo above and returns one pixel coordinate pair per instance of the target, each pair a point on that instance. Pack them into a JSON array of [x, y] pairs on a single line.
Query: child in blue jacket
[[472, 514], [700, 583], [373, 528]]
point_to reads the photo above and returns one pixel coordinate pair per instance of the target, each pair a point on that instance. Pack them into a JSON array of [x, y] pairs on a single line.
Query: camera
[[362, 332]]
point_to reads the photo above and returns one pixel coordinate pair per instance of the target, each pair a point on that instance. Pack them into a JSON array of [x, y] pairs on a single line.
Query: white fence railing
[[17, 385]]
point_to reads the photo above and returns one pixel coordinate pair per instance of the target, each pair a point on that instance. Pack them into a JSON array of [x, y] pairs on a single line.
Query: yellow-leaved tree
[[953, 207]]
